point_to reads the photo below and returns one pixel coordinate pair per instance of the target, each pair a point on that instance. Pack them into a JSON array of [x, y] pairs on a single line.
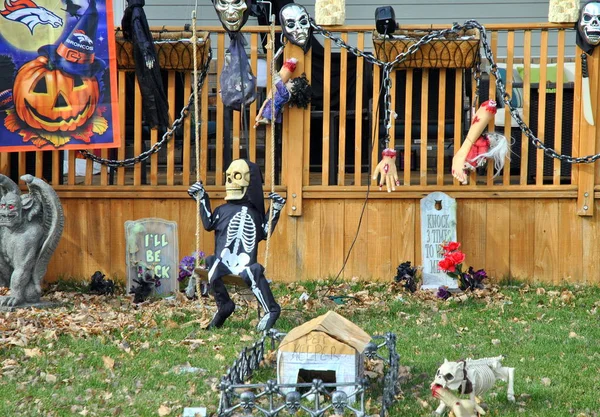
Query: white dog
[[473, 377]]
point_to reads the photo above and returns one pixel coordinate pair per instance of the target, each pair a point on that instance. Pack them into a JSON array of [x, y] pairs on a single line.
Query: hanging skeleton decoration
[[239, 226], [588, 27], [233, 14], [473, 377], [295, 25]]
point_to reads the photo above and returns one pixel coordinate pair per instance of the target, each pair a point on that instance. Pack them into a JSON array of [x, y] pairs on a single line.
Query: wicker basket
[[174, 50], [460, 50]]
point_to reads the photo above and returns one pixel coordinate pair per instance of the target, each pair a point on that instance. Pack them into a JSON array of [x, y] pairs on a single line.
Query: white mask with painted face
[[589, 23], [295, 24]]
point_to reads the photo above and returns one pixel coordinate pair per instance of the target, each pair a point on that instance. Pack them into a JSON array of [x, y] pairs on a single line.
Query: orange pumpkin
[[49, 99]]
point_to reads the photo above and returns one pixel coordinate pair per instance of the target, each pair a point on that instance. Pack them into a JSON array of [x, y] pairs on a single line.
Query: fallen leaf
[[51, 379], [32, 353], [109, 363], [246, 338], [163, 410], [546, 382], [219, 357]]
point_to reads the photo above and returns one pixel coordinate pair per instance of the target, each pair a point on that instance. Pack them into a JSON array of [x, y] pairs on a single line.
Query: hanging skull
[[237, 178], [295, 24], [588, 25], [233, 14]]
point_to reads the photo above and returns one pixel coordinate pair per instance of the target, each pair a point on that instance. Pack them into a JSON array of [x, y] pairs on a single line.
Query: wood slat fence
[[537, 220]]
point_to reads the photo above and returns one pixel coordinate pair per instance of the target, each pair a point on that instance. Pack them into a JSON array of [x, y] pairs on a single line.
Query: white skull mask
[[589, 23], [449, 375], [295, 24], [237, 180], [232, 13]]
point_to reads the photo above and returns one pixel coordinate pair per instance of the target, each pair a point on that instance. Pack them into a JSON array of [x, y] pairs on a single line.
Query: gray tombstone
[[153, 243], [438, 225]]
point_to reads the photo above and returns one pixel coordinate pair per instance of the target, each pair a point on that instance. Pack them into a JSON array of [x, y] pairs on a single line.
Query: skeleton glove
[[277, 201], [197, 192]]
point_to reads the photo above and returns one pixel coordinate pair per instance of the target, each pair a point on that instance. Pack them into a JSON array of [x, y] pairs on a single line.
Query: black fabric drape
[[155, 107]]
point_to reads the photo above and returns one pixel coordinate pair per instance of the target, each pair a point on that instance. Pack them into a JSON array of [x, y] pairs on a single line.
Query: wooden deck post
[[295, 132], [588, 136]]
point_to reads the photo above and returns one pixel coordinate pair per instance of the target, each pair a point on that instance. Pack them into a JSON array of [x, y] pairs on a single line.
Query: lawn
[[103, 356]]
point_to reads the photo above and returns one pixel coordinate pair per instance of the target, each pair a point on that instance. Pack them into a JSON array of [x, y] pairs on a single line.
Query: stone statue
[[30, 228]]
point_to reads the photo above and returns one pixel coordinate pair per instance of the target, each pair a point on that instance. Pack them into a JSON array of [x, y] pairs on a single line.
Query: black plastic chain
[[469, 24], [387, 67], [167, 135], [472, 24]]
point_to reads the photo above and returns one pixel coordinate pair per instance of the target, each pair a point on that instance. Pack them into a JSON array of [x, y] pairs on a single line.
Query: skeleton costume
[[239, 226], [588, 27]]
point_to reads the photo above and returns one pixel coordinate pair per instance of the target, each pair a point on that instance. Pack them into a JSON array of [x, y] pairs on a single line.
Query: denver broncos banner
[[58, 84]]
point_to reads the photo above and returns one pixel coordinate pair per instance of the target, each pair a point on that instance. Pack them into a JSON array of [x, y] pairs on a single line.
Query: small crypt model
[[473, 377], [30, 228], [239, 225], [329, 347]]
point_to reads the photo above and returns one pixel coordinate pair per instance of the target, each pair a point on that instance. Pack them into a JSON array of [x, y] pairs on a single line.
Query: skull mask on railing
[[588, 26], [295, 24]]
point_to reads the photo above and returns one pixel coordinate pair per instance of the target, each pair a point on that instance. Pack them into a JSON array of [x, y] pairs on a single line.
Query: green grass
[[101, 356]]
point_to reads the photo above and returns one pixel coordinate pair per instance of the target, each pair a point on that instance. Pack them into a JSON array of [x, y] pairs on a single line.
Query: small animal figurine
[[473, 377], [460, 408]]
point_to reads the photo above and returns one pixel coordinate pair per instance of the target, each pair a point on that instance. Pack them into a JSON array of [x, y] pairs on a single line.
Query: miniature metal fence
[[315, 398]]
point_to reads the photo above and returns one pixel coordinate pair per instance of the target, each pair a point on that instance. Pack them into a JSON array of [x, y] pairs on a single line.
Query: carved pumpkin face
[[49, 99]]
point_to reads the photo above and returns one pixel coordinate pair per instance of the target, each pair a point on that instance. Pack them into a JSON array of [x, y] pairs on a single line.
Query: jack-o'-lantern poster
[[58, 75]]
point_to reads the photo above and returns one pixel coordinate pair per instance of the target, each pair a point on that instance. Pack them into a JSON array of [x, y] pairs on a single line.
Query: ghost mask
[[295, 24], [237, 180], [233, 14], [588, 26]]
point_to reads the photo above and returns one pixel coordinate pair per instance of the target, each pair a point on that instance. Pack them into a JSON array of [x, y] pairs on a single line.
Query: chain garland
[[472, 24], [469, 24], [167, 135], [387, 83]]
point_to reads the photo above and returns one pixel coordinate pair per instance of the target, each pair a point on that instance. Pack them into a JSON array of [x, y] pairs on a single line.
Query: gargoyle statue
[[473, 377], [30, 228]]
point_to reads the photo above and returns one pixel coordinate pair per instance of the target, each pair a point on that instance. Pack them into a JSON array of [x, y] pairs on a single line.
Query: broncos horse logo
[[30, 14]]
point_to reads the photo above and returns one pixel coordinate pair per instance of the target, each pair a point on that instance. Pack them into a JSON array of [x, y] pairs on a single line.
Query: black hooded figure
[[239, 225], [155, 106]]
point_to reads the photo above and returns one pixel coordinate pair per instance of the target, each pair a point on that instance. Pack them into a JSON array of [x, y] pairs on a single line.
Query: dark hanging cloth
[[155, 105], [238, 83]]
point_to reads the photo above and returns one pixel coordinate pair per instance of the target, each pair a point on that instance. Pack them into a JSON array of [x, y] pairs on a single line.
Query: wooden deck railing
[[341, 134]]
